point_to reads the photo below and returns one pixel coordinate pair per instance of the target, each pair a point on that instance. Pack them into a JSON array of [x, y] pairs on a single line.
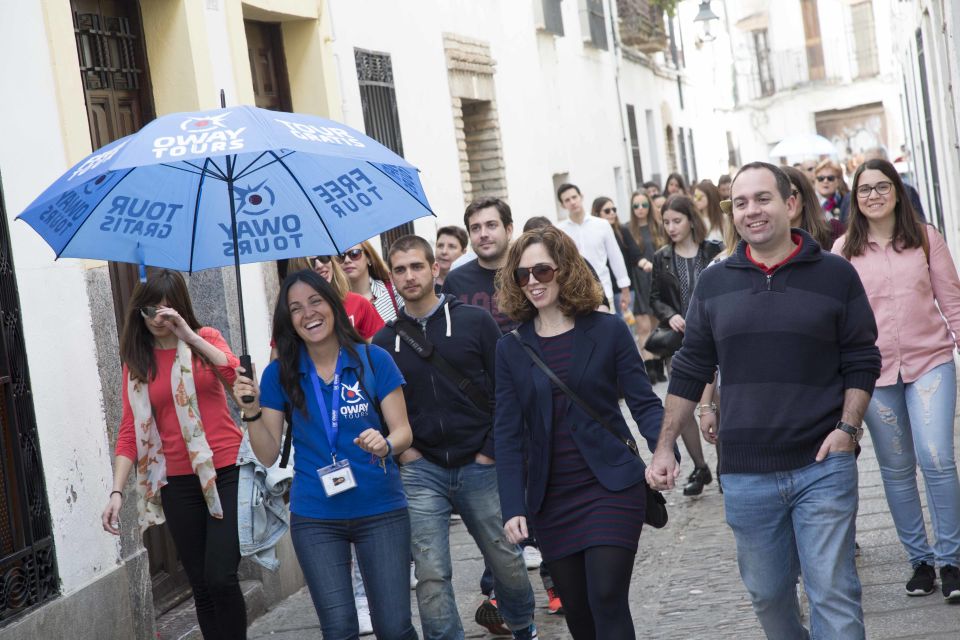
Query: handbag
[[663, 342], [656, 509]]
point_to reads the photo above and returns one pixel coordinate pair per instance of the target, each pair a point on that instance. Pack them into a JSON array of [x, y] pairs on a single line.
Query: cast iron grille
[[107, 48], [28, 570], [380, 117]]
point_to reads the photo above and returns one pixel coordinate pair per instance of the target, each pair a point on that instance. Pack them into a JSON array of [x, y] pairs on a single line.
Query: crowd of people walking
[[448, 379]]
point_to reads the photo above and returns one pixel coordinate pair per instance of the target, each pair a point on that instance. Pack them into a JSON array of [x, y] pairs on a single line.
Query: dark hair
[[537, 222], [680, 181], [595, 212], [714, 212], [724, 179], [648, 184], [783, 182], [136, 341], [684, 205], [457, 232], [580, 292], [566, 186], [506, 218], [811, 214], [908, 231], [653, 225], [288, 343], [410, 242]]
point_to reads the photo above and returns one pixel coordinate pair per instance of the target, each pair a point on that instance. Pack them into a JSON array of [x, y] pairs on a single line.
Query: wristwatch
[[854, 432]]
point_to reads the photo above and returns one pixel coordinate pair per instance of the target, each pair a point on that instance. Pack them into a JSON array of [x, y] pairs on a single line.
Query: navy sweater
[[788, 345]]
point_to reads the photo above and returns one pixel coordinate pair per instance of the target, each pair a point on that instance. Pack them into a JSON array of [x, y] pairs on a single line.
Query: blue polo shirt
[[376, 492]]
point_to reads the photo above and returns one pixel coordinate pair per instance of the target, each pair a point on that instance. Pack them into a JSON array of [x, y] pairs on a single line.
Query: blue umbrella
[[193, 191]]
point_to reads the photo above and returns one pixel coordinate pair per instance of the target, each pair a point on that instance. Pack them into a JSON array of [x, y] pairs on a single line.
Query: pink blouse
[[917, 306]]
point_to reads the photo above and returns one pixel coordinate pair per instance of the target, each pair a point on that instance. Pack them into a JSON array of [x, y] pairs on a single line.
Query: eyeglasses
[[641, 205], [322, 259], [882, 189], [149, 313], [826, 178], [608, 210], [353, 254], [542, 272]]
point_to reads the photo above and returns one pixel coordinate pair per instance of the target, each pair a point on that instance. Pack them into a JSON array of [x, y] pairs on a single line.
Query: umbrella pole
[[245, 361]]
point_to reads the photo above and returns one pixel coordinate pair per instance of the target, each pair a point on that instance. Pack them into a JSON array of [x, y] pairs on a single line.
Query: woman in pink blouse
[[914, 291]]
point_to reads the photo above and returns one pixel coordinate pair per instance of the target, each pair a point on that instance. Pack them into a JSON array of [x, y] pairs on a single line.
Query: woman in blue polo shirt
[[346, 487]]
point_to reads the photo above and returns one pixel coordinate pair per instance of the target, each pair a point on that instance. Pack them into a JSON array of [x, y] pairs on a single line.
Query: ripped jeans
[[910, 424]]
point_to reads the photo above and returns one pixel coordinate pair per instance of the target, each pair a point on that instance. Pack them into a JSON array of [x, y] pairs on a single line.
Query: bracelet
[[706, 408], [252, 418], [115, 491], [389, 448]]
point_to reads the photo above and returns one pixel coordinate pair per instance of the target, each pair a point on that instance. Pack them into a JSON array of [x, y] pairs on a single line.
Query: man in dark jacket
[[794, 336], [450, 465]]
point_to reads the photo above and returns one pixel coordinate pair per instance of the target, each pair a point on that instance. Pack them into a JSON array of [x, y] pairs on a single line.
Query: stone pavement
[[685, 581]]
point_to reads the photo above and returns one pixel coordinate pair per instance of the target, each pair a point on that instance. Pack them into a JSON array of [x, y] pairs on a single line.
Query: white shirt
[[597, 244]]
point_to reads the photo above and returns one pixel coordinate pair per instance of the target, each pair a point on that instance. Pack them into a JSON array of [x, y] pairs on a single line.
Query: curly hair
[[580, 293]]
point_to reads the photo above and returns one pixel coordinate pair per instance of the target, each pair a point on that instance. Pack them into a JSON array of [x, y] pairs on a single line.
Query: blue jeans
[[432, 494], [792, 522], [382, 543], [909, 424]]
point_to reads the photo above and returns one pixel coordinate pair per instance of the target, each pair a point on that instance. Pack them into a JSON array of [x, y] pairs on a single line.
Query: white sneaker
[[455, 517], [532, 557], [413, 576], [363, 617]]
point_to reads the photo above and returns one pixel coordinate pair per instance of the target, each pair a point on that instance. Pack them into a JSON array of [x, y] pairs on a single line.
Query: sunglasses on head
[[826, 178], [353, 254], [542, 272], [148, 313]]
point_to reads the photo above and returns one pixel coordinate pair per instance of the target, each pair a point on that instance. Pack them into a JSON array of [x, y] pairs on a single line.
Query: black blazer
[[665, 298], [605, 360]]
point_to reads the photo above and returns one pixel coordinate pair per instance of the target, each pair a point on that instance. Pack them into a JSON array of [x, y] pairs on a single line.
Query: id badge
[[337, 478]]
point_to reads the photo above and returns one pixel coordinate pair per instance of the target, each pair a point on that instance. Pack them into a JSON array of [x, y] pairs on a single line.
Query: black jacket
[[448, 429], [665, 295]]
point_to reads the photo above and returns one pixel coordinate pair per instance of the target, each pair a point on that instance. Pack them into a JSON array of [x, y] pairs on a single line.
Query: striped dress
[[577, 511]]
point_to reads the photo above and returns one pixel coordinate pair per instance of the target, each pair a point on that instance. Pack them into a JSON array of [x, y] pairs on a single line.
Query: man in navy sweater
[[794, 337], [450, 465]]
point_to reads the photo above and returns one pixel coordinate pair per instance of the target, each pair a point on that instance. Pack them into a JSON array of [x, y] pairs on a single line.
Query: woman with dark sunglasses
[[831, 189], [562, 475], [368, 276]]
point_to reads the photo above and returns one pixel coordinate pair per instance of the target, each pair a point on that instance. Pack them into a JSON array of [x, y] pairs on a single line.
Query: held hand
[[708, 426], [663, 470], [677, 323], [246, 387], [646, 265], [624, 300], [176, 323], [110, 518], [836, 441], [516, 529], [372, 441]]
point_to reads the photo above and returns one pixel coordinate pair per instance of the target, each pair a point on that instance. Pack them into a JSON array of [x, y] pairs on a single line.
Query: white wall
[[57, 322]]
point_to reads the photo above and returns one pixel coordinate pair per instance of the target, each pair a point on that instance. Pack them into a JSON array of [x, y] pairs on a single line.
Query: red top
[[221, 432], [797, 240], [363, 315]]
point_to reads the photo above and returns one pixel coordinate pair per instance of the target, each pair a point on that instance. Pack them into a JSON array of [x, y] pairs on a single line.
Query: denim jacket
[[262, 516]]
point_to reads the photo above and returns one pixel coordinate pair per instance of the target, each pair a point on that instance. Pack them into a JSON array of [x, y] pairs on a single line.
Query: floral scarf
[[151, 463]]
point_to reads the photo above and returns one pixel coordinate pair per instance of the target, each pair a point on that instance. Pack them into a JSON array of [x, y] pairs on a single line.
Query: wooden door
[[116, 87], [268, 66]]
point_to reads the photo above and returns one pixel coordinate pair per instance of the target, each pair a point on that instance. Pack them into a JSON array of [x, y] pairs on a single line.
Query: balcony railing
[[769, 72], [642, 26]]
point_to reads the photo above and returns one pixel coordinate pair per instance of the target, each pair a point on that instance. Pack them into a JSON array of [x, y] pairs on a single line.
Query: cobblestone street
[[685, 581]]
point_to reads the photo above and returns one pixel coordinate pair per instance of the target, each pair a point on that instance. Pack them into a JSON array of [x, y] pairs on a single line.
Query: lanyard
[[331, 420]]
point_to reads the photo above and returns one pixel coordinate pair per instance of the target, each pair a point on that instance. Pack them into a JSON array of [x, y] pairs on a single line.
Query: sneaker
[[923, 581], [532, 558], [530, 633], [950, 582], [698, 477], [488, 617], [554, 606], [413, 576], [363, 617], [856, 549]]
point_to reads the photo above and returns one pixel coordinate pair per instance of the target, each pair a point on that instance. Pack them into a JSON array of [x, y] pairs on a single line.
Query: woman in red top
[[361, 311], [177, 428]]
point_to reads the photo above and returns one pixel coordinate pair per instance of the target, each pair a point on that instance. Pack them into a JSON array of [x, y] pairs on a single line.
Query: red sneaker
[[554, 606]]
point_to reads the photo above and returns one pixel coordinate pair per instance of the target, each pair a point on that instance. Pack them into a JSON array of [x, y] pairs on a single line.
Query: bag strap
[[925, 242], [415, 338], [631, 444], [393, 298]]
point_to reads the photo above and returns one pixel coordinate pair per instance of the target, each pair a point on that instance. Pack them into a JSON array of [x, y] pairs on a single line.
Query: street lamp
[[705, 16]]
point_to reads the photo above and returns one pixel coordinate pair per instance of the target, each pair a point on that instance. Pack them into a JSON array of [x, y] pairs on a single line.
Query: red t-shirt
[[221, 432], [363, 315]]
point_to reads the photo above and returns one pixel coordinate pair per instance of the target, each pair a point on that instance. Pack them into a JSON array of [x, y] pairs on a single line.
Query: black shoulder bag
[[656, 510], [288, 415], [417, 341]]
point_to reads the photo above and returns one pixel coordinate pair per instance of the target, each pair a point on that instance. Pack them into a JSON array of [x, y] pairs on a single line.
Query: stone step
[[180, 623]]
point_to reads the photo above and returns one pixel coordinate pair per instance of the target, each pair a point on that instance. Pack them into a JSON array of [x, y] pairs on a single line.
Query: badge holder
[[337, 478]]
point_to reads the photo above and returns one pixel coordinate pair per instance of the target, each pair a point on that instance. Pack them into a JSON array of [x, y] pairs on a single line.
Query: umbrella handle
[[247, 365]]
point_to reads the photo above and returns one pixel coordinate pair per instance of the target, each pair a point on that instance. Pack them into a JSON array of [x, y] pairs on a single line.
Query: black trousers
[[209, 549], [594, 586]]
